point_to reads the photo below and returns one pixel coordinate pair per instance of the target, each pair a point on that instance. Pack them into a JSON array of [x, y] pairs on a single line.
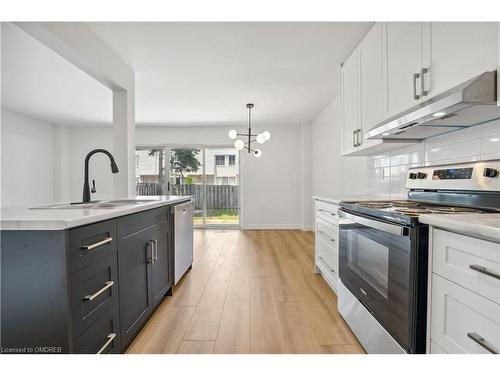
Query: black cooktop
[[402, 211]]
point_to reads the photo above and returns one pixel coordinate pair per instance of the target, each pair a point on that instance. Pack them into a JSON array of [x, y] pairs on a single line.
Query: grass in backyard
[[218, 216]]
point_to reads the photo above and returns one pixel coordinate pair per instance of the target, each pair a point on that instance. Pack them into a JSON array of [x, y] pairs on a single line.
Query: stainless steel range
[[383, 252]]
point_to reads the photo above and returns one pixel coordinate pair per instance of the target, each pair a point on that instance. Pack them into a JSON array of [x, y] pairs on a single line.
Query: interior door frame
[[167, 147]]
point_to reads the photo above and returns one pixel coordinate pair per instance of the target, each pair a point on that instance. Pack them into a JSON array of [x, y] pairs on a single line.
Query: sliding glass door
[[210, 174], [222, 186], [186, 170]]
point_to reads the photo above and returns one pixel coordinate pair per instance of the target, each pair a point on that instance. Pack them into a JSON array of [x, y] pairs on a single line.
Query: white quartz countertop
[[336, 199], [24, 218], [485, 226]]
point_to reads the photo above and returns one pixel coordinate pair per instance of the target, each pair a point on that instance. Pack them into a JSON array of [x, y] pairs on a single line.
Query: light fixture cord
[[249, 127]]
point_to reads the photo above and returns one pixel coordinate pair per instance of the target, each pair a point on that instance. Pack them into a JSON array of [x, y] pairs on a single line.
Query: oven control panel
[[452, 174], [477, 176]]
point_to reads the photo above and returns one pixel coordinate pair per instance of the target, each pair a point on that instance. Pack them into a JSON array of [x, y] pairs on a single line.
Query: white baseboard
[[308, 228]]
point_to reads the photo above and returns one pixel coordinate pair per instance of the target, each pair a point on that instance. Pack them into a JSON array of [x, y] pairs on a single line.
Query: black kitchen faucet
[[86, 188]]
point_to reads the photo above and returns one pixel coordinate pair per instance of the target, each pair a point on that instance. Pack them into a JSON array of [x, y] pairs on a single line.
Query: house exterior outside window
[[220, 159]]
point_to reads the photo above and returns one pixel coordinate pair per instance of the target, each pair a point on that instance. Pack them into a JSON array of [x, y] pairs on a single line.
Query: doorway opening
[[210, 174]]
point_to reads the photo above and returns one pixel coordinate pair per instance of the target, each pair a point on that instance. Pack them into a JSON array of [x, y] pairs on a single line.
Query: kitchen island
[[84, 278]]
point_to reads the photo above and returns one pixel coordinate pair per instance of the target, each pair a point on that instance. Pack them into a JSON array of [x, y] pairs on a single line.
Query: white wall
[[387, 173], [271, 188], [272, 192], [27, 160], [61, 163], [306, 177], [81, 141], [332, 173]]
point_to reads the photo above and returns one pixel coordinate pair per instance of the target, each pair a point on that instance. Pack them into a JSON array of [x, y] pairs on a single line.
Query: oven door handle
[[375, 224]]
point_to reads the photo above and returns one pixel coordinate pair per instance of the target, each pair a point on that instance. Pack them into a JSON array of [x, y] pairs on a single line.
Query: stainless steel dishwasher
[[183, 223]]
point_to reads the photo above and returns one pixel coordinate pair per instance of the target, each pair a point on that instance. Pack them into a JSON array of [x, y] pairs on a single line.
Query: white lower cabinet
[[463, 298], [463, 321], [326, 242]]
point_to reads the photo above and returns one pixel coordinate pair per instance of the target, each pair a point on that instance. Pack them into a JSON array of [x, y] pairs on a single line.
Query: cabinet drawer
[[436, 349], [454, 255], [328, 212], [102, 337], [89, 243], [94, 290], [132, 227], [457, 313], [327, 232], [328, 256]]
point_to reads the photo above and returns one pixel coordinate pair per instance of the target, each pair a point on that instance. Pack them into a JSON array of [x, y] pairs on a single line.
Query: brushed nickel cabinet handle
[[151, 245], [155, 258], [326, 235], [415, 77], [481, 341], [359, 138], [328, 212], [422, 82], [106, 286], [97, 244], [354, 142], [110, 338], [484, 270]]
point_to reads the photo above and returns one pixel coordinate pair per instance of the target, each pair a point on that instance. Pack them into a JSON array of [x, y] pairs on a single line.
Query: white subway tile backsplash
[[414, 154], [466, 150], [473, 132], [491, 128], [387, 175], [490, 145]]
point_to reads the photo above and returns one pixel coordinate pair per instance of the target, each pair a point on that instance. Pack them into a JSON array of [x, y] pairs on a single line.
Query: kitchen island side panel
[[34, 299]]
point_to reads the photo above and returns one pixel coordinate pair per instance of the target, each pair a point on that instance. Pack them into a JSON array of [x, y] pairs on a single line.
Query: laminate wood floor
[[249, 292]]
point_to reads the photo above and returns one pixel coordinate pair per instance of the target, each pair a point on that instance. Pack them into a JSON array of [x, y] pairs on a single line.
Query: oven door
[[376, 265]]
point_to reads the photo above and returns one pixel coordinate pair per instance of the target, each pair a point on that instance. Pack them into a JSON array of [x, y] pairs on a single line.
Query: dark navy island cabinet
[[88, 289]]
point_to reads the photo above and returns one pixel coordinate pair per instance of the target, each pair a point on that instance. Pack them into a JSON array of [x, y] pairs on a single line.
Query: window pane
[[219, 159], [150, 170], [222, 186]]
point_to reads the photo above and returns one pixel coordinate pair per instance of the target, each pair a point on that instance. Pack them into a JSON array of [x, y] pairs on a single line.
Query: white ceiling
[[187, 73], [41, 84]]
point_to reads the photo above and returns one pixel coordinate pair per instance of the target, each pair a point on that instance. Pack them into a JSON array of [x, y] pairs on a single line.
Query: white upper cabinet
[[460, 51], [404, 65], [350, 102], [372, 82], [398, 65]]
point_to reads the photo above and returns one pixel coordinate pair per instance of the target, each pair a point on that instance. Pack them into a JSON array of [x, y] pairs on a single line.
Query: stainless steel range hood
[[471, 103]]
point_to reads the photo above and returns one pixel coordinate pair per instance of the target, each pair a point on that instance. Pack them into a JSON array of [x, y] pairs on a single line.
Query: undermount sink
[[108, 204]]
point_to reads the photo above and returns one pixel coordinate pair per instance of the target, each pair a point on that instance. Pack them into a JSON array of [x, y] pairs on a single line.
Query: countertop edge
[[477, 230], [336, 199], [58, 224]]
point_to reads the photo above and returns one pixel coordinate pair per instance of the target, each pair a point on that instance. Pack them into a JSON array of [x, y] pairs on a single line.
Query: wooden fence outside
[[218, 196]]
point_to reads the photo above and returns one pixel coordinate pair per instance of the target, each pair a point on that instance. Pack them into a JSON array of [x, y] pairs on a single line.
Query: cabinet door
[[460, 51], [404, 59], [350, 101], [135, 286], [372, 79], [161, 267]]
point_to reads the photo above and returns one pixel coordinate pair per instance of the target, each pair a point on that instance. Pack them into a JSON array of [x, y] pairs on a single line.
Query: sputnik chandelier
[[247, 140]]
